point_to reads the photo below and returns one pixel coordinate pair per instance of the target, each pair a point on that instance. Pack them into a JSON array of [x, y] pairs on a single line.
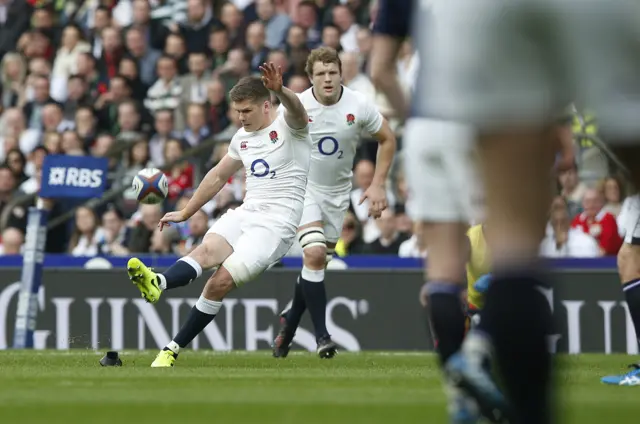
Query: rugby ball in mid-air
[[150, 186]]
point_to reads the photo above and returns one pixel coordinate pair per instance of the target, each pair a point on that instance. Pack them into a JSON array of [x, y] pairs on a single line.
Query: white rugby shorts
[[441, 172], [329, 208], [258, 239], [492, 63]]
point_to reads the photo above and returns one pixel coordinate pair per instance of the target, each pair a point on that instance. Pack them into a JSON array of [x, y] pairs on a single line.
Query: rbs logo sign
[[73, 176]]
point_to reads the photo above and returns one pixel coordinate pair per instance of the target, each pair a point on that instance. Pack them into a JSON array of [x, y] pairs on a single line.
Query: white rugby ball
[[150, 186]]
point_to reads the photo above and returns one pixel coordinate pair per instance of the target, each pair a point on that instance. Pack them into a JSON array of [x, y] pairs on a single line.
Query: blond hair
[[323, 55]]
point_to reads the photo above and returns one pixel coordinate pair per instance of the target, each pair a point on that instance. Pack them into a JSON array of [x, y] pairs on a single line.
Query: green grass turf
[[71, 387]]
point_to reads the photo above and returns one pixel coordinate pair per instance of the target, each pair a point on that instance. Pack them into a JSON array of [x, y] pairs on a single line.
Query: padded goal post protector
[[31, 278]]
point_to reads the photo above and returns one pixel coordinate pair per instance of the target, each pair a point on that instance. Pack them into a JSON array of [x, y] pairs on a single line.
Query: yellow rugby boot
[[145, 279], [165, 359]]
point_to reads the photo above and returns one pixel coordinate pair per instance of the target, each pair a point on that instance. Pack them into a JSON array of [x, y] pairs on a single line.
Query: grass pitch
[[71, 387]]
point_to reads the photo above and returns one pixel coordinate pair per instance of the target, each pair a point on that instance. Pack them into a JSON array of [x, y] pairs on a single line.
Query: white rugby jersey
[[276, 161], [335, 131]]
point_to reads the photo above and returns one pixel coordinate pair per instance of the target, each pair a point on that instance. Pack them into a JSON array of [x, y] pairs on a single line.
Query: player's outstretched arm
[[212, 183], [295, 113], [377, 193]]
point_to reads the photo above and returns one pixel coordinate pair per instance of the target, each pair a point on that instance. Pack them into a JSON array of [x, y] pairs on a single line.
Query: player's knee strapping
[[312, 237], [237, 269], [330, 253]]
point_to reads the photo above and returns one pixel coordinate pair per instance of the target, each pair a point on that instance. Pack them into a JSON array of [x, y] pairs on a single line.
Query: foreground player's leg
[[309, 293], [213, 250], [515, 316], [441, 203], [202, 313], [445, 276]]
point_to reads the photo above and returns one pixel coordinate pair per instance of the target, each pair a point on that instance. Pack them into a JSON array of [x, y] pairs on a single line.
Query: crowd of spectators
[[142, 82]]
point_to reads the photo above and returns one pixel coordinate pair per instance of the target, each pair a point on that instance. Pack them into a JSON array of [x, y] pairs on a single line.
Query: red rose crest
[[351, 119], [273, 136], [102, 88]]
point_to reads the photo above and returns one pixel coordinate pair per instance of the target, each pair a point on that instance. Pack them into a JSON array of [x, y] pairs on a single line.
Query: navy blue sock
[[518, 320], [202, 313], [446, 317], [298, 306], [180, 274], [315, 296], [631, 291]]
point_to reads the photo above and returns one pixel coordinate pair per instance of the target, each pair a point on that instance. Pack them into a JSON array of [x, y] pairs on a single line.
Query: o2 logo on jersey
[[329, 146], [260, 169]]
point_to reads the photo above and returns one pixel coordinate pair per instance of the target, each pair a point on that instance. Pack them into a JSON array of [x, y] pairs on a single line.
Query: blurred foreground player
[[478, 272], [274, 150], [514, 66], [337, 116], [441, 174]]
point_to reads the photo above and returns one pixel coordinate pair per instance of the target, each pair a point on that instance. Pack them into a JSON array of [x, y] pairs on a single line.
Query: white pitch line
[[201, 353]]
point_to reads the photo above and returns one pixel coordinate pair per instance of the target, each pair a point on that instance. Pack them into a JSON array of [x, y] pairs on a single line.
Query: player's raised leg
[[209, 254], [214, 250], [253, 252]]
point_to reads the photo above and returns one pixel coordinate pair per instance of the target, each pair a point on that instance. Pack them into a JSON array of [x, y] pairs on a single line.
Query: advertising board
[[367, 310]]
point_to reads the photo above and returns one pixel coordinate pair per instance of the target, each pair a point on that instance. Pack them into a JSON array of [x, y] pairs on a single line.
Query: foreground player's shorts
[[441, 172], [394, 18], [497, 63]]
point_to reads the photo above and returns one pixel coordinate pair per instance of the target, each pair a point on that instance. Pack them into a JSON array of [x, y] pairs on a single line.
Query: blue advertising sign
[[605, 264], [73, 176]]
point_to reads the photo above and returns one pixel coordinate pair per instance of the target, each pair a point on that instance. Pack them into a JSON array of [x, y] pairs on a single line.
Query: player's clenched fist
[[271, 76]]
